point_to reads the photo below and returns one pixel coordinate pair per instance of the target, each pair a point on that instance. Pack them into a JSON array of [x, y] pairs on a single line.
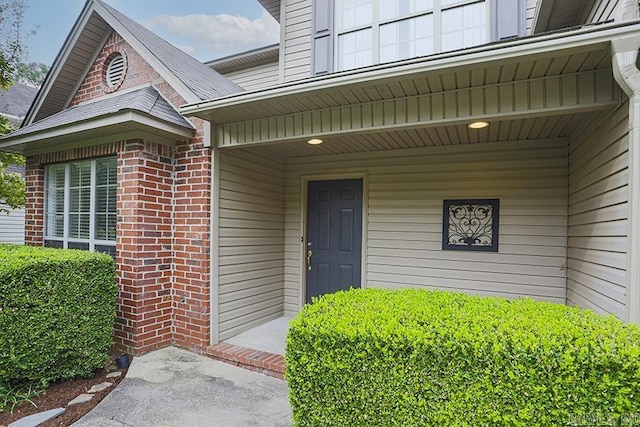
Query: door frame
[[304, 201]]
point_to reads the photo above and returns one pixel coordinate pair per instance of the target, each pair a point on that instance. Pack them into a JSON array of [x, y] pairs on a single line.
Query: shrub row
[[422, 358], [56, 314]]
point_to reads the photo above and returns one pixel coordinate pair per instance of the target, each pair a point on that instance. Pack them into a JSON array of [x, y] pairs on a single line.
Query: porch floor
[[269, 337], [260, 349]]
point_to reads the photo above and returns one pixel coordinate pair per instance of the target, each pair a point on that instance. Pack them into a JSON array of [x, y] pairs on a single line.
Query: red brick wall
[[34, 203], [144, 245], [192, 245], [138, 73], [163, 235]]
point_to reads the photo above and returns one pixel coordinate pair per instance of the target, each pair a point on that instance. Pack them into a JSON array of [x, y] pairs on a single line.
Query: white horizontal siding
[[250, 266], [531, 13], [405, 192], [598, 179], [297, 39], [12, 226], [257, 77]]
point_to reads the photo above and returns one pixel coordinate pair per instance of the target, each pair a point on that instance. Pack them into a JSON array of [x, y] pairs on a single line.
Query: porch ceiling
[[547, 127]]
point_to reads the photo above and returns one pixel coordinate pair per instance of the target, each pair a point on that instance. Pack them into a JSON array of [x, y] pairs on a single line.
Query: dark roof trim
[[253, 57]]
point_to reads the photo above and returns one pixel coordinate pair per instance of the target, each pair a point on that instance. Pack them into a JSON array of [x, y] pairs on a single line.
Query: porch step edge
[[263, 362]]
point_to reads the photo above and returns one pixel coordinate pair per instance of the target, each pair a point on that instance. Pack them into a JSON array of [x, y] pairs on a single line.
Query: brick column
[[192, 234], [144, 246], [34, 206]]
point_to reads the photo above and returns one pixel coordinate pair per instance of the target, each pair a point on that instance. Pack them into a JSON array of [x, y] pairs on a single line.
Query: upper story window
[[377, 31], [80, 208]]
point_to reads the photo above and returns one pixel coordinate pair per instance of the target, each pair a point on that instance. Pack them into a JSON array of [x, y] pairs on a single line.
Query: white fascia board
[[579, 40], [148, 56], [130, 119]]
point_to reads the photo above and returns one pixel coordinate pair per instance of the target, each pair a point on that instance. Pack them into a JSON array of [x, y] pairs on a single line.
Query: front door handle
[[309, 255]]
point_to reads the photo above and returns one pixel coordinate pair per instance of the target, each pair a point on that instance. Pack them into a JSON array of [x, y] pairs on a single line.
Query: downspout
[[209, 141], [627, 75]]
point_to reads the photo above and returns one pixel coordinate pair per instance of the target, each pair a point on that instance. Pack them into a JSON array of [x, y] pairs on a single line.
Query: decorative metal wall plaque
[[470, 225]]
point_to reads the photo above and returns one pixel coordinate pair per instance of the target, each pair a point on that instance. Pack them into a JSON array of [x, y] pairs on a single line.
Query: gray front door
[[334, 236]]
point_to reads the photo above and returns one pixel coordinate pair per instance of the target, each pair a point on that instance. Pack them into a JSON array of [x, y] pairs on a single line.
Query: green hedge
[[57, 312], [418, 358]]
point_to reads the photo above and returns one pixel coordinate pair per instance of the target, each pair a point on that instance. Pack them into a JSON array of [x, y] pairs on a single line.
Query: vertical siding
[[12, 226], [297, 39], [404, 223], [598, 162], [602, 10], [258, 77], [531, 13], [251, 242]]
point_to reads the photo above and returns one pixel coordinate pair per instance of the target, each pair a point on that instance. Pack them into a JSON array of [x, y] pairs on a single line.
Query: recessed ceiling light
[[478, 125], [315, 141]]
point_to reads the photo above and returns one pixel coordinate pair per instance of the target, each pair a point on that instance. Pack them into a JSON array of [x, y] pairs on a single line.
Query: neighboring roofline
[[525, 46], [251, 57]]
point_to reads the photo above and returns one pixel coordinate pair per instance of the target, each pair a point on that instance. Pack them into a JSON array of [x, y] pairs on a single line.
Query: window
[[80, 211], [378, 31], [470, 225]]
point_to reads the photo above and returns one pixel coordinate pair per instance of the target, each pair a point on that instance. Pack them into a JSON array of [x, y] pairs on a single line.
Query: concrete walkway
[[173, 387]]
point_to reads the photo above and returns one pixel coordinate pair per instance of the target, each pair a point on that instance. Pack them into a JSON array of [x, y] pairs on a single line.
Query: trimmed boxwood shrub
[[57, 312], [430, 358]]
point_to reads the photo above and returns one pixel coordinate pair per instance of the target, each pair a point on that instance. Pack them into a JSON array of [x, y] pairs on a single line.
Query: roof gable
[[193, 80]]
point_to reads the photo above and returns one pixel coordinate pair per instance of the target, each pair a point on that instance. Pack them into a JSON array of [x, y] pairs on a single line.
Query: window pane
[[464, 26], [107, 249], [58, 244], [54, 209], [355, 49], [80, 174], [354, 13], [105, 209], [78, 245], [406, 39], [390, 9]]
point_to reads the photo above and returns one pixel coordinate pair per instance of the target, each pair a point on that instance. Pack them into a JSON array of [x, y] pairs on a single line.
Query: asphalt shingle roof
[[200, 79], [145, 100], [16, 100]]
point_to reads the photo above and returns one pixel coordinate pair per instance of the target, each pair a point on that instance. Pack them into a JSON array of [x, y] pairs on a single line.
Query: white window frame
[[66, 239], [436, 12]]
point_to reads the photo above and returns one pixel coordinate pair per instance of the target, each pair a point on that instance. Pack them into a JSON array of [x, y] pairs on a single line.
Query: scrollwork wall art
[[470, 225]]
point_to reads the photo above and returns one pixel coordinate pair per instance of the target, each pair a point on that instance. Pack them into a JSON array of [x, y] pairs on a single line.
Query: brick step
[[254, 360]]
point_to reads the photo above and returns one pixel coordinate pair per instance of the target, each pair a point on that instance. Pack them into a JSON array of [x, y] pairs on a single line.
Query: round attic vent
[[115, 70]]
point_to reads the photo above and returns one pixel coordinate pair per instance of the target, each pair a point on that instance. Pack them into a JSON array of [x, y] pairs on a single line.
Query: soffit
[[89, 41], [550, 127], [555, 14], [273, 7], [426, 79]]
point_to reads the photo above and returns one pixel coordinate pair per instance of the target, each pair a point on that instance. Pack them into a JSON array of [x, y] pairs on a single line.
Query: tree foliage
[[12, 190], [31, 74], [12, 39], [12, 49]]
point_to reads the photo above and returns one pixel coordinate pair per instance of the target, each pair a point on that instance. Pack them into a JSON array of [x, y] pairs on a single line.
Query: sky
[[205, 29]]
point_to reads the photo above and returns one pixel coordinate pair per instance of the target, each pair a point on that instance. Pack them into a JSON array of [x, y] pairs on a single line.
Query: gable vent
[[115, 70]]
